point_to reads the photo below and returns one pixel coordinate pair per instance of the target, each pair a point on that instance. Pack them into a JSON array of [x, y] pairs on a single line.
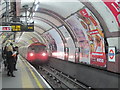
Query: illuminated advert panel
[[90, 37]]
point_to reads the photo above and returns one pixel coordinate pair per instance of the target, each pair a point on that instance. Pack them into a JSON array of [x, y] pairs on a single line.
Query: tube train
[[35, 53]]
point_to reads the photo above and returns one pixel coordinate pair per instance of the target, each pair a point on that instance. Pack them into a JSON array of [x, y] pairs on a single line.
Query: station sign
[[111, 54], [5, 28], [22, 28], [30, 28], [17, 27]]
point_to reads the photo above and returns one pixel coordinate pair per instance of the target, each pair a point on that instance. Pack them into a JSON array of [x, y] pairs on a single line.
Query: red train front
[[37, 53]]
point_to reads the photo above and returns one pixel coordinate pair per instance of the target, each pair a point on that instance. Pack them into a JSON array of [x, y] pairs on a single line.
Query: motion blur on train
[[35, 53]]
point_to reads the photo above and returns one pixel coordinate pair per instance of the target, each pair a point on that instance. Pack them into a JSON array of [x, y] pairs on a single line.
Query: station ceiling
[[48, 14], [46, 10]]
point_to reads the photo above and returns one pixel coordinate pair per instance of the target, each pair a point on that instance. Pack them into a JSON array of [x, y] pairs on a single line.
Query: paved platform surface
[[26, 77]]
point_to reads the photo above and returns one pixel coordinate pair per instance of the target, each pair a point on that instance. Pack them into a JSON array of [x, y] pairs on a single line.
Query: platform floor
[[26, 77]]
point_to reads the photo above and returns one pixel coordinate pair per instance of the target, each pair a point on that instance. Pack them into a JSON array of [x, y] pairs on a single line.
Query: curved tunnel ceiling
[[62, 10]]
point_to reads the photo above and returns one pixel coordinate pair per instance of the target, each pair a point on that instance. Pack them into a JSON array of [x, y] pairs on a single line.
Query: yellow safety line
[[26, 83], [37, 81]]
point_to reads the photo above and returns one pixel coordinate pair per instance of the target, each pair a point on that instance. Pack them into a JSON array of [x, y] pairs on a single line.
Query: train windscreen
[[37, 48]]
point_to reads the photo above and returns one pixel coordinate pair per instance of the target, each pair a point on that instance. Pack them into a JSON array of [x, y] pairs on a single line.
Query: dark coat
[[10, 60]]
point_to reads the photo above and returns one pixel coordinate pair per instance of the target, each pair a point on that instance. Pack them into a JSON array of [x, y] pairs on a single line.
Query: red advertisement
[[93, 20], [114, 7], [98, 58], [90, 37], [92, 32], [84, 13], [95, 38]]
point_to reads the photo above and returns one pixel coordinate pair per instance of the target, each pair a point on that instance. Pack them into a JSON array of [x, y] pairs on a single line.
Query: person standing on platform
[[16, 56], [4, 52], [10, 61]]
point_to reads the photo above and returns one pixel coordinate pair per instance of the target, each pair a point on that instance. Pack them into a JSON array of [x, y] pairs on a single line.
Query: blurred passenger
[[4, 52], [10, 61], [15, 56], [12, 46]]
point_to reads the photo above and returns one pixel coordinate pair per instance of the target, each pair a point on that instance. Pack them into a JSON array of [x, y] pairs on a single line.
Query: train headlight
[[43, 54], [31, 54]]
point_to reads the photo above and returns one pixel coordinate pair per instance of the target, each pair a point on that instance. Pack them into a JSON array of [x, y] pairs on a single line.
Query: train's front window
[[31, 49], [39, 48]]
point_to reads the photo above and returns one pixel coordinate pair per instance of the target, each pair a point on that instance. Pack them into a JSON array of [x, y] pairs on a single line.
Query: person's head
[[11, 44], [9, 48], [16, 47]]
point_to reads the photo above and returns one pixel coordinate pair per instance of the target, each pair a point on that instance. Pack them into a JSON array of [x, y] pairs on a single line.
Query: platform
[[26, 77]]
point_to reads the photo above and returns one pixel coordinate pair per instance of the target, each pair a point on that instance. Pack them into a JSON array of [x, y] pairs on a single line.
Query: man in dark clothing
[[10, 61], [16, 57], [4, 52]]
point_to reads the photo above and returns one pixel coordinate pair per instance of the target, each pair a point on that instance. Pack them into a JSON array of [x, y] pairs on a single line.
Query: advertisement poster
[[90, 36], [95, 36]]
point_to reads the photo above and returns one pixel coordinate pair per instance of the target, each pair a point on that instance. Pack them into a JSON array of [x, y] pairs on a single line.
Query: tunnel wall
[[114, 66]]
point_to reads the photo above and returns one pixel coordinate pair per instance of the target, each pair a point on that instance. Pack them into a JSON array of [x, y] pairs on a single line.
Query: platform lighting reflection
[[67, 38], [36, 1], [71, 56], [66, 54], [60, 54], [17, 39], [33, 14], [36, 7]]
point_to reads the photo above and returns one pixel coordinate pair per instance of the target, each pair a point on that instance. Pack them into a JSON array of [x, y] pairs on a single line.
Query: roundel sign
[[111, 54]]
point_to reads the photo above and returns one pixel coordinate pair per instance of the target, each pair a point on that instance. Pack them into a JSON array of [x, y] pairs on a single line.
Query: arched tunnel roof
[[54, 14]]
